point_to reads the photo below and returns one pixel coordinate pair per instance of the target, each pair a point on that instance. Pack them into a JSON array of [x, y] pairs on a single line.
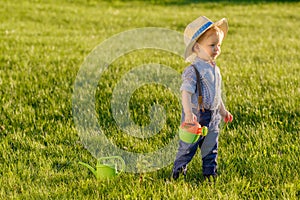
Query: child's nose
[[217, 48]]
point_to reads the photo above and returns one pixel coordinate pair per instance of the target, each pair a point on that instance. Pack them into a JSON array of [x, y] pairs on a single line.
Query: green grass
[[44, 43]]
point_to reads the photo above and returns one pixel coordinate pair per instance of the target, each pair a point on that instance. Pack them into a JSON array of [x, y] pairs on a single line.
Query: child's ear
[[196, 47]]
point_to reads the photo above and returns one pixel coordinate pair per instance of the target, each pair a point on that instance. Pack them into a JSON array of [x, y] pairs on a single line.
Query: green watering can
[[104, 171]]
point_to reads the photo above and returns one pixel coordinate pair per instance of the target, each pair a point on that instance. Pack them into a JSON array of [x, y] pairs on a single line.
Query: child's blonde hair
[[209, 32]]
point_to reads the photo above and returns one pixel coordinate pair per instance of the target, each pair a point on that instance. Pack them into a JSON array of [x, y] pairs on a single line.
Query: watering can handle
[[115, 157]]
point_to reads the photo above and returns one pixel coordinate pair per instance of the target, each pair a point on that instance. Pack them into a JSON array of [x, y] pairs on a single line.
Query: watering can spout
[[89, 167]]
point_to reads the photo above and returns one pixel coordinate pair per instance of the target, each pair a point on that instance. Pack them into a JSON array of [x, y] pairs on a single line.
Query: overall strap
[[198, 82]]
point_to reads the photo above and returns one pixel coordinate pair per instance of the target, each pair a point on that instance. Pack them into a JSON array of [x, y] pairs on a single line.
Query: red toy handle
[[202, 131], [195, 128]]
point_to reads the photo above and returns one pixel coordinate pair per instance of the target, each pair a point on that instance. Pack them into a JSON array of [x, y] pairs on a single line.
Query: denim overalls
[[210, 117]]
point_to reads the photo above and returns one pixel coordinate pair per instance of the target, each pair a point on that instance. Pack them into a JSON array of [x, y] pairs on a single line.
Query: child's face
[[211, 44]]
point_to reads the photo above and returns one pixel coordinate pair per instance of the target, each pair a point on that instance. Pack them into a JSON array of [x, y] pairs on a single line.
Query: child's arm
[[225, 114], [187, 107]]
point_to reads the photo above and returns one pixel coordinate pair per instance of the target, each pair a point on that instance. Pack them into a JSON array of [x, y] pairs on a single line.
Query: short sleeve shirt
[[210, 83]]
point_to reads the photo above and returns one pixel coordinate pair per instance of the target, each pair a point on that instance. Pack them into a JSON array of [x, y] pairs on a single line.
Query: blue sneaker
[[183, 170]]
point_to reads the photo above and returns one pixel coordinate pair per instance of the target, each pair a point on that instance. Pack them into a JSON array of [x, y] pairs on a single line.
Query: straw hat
[[196, 28]]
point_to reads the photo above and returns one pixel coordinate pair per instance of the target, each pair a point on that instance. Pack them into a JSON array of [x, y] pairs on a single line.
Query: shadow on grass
[[187, 2], [284, 120]]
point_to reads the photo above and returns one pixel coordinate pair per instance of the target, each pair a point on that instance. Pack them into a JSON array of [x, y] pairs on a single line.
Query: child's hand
[[228, 117], [190, 117]]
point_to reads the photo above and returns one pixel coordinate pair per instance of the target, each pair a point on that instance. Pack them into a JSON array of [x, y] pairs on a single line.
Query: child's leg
[[184, 155], [209, 153], [209, 147]]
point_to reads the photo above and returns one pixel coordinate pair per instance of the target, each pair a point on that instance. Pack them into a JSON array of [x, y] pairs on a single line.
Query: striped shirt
[[210, 83]]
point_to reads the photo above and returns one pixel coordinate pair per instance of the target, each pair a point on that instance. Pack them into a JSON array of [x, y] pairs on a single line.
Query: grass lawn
[[43, 44]]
